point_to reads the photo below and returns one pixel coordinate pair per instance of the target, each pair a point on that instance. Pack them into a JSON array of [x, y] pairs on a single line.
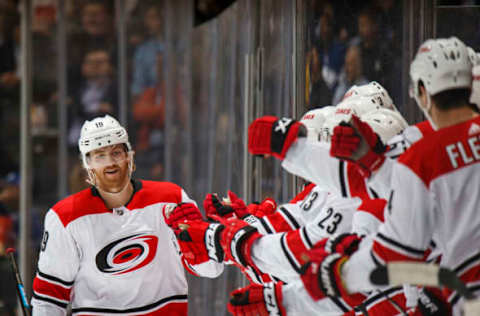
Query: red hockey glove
[[264, 208], [321, 276], [213, 206], [256, 299], [200, 241], [431, 302], [237, 239], [344, 244], [234, 208], [269, 135], [181, 213], [356, 141]]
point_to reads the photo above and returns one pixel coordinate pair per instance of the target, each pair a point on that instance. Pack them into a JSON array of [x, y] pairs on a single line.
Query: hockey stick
[[425, 274], [20, 289]]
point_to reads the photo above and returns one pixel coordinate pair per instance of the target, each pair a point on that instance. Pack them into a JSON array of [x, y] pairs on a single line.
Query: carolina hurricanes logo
[[127, 254]]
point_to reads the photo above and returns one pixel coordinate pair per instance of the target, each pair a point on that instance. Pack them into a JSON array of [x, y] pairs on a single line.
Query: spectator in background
[[96, 33], [376, 52], [144, 59], [352, 73], [318, 94], [149, 116], [96, 94], [330, 50]]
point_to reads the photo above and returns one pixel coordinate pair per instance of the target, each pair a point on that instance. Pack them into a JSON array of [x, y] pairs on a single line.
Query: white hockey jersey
[[123, 261], [432, 186], [397, 145]]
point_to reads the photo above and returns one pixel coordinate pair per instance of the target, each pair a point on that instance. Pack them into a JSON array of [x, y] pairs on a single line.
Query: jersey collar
[[137, 186]]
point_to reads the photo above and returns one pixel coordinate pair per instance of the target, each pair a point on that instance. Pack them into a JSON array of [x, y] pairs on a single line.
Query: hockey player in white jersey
[[107, 250], [280, 254], [431, 183]]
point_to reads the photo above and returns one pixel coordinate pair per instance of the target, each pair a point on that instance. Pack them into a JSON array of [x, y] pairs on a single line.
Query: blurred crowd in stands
[[352, 43]]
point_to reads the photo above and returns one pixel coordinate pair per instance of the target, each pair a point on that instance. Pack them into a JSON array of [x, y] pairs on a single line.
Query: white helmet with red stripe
[[385, 122], [372, 90], [314, 119], [440, 64]]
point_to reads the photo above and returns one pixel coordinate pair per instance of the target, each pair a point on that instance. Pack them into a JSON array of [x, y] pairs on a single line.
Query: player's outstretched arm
[[198, 255]]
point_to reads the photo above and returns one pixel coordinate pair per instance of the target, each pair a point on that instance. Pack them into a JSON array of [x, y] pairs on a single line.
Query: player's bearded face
[[110, 165]]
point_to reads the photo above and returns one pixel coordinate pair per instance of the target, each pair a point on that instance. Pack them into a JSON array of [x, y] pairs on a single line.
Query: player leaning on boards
[[107, 249], [431, 183]]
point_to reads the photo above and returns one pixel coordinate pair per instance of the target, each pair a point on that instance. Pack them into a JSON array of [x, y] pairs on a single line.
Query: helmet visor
[[107, 156]]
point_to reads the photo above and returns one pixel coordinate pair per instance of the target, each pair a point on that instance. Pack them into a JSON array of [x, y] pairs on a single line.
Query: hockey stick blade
[[20, 289]]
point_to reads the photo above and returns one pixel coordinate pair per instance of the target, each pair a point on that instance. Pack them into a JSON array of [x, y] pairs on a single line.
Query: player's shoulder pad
[[78, 205], [153, 192]]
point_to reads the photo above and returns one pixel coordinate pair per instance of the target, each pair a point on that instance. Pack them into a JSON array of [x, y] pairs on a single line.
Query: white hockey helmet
[[440, 64], [353, 105], [314, 119], [101, 132], [385, 122], [473, 56], [372, 90], [358, 105]]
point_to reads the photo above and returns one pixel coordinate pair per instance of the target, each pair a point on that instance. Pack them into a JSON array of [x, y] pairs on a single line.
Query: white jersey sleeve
[[57, 267], [297, 302], [397, 145], [282, 254], [292, 216], [405, 236], [312, 161]]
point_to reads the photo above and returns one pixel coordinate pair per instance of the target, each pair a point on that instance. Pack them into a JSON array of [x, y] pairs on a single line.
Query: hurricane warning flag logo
[[127, 254]]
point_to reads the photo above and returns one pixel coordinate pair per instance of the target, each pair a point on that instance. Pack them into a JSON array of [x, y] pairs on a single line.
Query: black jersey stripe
[[374, 193], [290, 217], [265, 225], [54, 279], [467, 262], [375, 260], [411, 250], [340, 304], [303, 231], [287, 254], [381, 295], [343, 187], [131, 310], [50, 300]]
